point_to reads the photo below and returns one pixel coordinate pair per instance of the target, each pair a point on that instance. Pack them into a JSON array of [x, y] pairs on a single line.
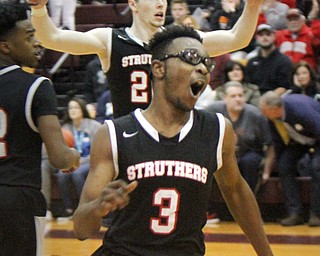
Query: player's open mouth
[[197, 87], [159, 14]]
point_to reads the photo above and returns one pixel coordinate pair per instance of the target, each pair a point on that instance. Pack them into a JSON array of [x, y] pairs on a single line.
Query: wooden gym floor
[[222, 239]]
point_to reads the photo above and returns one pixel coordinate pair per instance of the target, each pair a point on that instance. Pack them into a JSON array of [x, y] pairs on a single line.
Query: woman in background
[[83, 128], [235, 71], [304, 80]]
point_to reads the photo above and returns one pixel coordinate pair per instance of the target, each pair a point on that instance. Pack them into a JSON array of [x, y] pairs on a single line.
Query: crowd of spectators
[[283, 57]]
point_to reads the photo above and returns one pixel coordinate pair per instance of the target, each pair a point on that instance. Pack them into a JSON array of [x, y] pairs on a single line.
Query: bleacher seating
[[102, 15]]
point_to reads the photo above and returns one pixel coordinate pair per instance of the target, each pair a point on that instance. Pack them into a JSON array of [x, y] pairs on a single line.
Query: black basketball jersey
[[23, 98], [167, 211], [128, 76]]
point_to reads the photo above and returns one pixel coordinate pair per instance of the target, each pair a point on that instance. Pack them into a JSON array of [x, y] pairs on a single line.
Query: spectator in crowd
[[270, 69], [275, 12], [305, 80], [83, 128], [92, 110], [235, 71], [97, 89], [104, 107], [28, 118], [96, 81], [160, 152], [178, 9], [250, 129], [298, 41], [188, 20], [62, 13], [216, 76], [123, 52], [294, 121], [226, 16]]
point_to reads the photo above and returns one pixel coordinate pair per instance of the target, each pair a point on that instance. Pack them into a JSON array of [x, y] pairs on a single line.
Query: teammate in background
[[165, 157], [124, 53], [28, 117]]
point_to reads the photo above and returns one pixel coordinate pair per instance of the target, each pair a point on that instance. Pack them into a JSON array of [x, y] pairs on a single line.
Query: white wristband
[[39, 12]]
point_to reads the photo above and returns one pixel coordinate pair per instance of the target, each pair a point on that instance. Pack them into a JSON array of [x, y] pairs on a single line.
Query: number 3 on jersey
[[3, 131], [168, 202], [139, 87]]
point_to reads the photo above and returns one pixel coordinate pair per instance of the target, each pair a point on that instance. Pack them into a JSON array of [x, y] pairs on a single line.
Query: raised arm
[[100, 194], [239, 197], [222, 41], [74, 42]]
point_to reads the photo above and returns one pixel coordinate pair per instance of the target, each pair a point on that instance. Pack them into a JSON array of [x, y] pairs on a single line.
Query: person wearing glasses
[[124, 52], [154, 168]]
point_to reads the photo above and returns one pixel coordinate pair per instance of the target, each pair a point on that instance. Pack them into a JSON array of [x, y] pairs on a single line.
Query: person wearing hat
[[274, 12], [298, 41], [270, 69]]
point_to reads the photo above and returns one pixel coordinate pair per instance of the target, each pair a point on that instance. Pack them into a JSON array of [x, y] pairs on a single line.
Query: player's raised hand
[[37, 3], [115, 196]]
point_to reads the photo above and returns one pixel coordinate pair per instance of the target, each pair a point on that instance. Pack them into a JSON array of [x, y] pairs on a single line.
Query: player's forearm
[[45, 28], [245, 210], [64, 158], [245, 27], [223, 41], [86, 221]]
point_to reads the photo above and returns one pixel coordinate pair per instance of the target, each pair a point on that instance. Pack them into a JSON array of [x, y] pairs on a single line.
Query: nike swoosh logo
[[129, 135], [123, 38]]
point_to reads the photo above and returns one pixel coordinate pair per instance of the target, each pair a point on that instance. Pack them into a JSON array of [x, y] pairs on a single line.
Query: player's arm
[[73, 42], [222, 41], [60, 155], [239, 197], [100, 194]]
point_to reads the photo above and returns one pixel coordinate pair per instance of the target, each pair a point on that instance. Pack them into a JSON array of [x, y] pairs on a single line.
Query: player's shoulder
[[28, 78], [120, 32]]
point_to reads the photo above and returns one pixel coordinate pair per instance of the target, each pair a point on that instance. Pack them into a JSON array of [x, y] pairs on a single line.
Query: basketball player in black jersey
[[124, 54], [164, 158], [28, 117]]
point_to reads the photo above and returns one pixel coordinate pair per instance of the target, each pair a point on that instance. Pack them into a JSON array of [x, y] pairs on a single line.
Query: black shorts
[[18, 207]]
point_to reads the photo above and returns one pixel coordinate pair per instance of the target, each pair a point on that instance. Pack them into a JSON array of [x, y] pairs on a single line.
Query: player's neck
[[166, 121], [143, 33], [5, 61]]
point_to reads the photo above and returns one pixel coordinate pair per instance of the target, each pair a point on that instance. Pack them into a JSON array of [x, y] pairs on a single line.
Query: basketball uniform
[[167, 210], [128, 75], [23, 98]]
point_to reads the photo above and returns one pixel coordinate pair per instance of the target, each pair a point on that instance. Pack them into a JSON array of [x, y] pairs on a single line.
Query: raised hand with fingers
[[115, 196]]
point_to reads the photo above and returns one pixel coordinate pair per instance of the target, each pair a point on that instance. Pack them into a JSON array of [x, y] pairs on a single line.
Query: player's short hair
[[10, 14], [160, 42]]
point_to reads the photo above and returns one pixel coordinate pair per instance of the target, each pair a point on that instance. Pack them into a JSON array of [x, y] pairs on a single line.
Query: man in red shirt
[[299, 41]]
